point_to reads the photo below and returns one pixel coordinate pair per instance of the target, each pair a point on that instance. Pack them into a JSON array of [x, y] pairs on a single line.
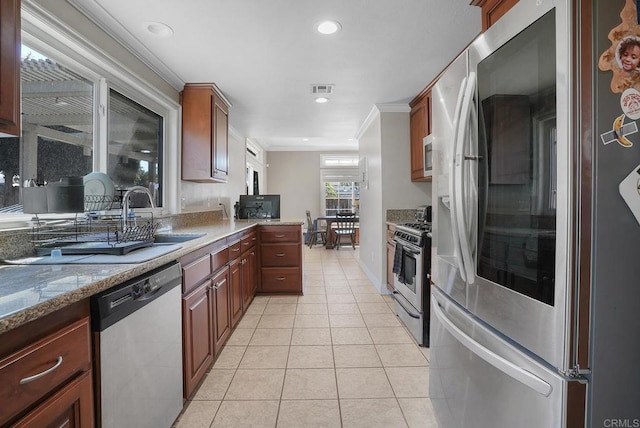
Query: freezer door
[[447, 102], [479, 379]]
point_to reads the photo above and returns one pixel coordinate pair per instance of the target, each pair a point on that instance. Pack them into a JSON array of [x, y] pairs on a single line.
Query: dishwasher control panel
[[121, 300]]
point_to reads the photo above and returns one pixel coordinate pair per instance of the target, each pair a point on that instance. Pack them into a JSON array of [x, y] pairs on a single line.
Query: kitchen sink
[[175, 238]]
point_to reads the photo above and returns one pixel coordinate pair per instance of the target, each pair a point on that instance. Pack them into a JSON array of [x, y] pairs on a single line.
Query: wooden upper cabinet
[[492, 10], [205, 142], [420, 127], [221, 146], [10, 67]]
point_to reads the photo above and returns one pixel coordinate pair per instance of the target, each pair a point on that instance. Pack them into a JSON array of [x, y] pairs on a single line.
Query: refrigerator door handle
[[461, 191], [453, 208], [507, 367]]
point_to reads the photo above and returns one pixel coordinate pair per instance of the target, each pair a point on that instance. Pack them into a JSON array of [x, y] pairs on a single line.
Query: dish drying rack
[[93, 203], [93, 233]]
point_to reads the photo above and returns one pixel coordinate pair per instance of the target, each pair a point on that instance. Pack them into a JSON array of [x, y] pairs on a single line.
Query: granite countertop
[[28, 292]]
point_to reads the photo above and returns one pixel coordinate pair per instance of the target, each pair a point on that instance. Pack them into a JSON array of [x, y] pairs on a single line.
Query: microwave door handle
[[461, 194], [457, 118]]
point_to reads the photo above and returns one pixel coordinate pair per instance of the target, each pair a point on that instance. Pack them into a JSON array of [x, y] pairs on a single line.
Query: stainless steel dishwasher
[[138, 351]]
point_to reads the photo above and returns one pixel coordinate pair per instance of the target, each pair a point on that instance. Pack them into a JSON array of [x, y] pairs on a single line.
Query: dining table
[[330, 219]]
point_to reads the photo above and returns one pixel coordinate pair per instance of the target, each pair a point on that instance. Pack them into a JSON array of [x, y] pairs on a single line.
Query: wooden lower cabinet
[[198, 335], [391, 251], [71, 406], [221, 309], [249, 276], [282, 280], [235, 278], [281, 259]]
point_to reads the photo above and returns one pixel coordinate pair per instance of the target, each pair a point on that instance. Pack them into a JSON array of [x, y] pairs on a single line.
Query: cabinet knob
[[280, 255]]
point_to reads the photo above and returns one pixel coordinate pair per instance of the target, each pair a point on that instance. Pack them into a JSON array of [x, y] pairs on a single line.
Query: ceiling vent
[[322, 89]]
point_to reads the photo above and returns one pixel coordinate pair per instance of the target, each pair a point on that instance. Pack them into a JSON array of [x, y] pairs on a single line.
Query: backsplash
[[401, 216]]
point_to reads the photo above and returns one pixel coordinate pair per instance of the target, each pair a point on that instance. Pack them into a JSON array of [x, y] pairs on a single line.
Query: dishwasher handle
[[118, 302]]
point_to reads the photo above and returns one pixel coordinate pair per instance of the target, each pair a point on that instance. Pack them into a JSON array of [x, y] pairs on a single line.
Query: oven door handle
[[408, 248], [411, 314]]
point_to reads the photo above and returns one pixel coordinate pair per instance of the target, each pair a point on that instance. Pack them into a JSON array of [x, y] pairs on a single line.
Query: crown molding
[[107, 23]]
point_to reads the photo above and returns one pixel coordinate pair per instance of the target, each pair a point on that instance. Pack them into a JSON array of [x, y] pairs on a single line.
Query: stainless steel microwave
[[427, 154]]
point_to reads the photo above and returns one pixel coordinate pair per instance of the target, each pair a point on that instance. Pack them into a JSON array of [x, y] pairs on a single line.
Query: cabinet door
[[420, 127], [391, 249], [10, 67], [235, 278], [249, 276], [222, 309], [221, 141], [198, 335], [253, 270], [72, 406], [492, 10], [197, 137]]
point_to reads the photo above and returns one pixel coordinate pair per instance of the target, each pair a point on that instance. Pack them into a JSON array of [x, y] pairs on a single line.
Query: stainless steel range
[[411, 273]]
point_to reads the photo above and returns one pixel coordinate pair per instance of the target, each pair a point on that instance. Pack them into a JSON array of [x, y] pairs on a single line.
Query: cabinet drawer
[[195, 272], [38, 369], [280, 255], [235, 250], [281, 280], [219, 259], [249, 241], [280, 234]]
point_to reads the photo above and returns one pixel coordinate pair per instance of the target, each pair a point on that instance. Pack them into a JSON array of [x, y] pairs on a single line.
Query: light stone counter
[[28, 292]]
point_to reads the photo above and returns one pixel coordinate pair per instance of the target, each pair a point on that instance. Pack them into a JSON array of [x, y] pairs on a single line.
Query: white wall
[[385, 141], [371, 211], [204, 196], [296, 177]]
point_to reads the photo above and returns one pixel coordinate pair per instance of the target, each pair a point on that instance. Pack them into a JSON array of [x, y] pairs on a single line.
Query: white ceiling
[[265, 54]]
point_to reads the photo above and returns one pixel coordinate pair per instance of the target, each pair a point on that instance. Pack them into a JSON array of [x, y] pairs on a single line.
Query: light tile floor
[[335, 357]]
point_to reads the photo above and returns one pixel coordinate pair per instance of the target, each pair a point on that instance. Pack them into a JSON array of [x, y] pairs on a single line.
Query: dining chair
[[345, 226], [313, 232]]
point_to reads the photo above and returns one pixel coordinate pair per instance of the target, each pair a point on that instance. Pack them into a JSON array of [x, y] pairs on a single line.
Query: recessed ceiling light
[[328, 27], [322, 100], [159, 29], [305, 139]]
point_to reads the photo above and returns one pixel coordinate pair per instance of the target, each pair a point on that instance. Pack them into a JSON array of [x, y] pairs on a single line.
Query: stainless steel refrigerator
[[534, 319]]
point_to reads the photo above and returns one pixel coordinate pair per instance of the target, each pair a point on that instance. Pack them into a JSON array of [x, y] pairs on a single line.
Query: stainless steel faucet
[[125, 201]]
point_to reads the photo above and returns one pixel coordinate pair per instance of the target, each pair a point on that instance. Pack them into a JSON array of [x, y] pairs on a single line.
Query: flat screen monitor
[[259, 206]]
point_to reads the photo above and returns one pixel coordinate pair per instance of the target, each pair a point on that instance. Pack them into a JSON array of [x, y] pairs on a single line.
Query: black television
[[259, 206]]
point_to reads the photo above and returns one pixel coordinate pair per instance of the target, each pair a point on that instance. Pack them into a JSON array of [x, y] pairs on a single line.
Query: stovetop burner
[[413, 233], [420, 227]]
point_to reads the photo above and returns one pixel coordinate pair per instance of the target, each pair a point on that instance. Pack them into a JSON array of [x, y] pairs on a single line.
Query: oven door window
[[517, 172], [409, 264]]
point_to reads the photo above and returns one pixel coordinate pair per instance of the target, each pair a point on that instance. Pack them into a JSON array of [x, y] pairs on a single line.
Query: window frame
[[52, 38], [343, 171]]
